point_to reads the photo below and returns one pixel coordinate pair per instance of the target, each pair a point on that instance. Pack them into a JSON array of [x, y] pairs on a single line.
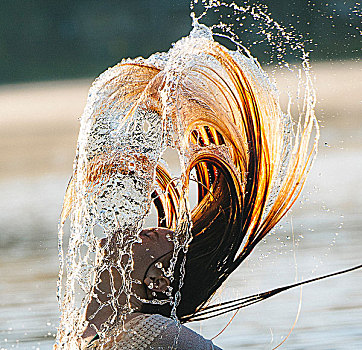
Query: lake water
[[328, 216]]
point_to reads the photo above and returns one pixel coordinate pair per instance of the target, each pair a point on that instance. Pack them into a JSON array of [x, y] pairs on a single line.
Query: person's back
[[156, 332]]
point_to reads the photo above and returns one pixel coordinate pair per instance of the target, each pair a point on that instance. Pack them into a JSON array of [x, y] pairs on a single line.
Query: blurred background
[[50, 53]]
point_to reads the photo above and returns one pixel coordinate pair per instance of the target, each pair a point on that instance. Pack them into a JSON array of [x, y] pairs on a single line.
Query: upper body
[[142, 330]]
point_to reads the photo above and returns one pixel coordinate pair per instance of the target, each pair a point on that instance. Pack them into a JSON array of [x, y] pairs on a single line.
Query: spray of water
[[212, 105]]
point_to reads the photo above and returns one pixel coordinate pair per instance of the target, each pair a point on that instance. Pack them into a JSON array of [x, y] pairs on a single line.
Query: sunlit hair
[[249, 161], [250, 166]]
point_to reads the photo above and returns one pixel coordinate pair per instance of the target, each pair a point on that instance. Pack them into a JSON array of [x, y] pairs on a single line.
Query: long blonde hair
[[221, 112]]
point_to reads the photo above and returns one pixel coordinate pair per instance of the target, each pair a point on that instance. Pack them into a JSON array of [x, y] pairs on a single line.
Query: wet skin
[[154, 247]]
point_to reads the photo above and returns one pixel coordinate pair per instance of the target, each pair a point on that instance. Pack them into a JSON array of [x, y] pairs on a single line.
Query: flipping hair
[[250, 168], [249, 160]]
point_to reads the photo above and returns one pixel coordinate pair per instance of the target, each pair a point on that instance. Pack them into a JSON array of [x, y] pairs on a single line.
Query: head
[[151, 259]]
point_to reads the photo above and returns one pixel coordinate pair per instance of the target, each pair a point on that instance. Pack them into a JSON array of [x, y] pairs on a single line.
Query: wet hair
[[249, 171], [222, 114], [214, 253], [216, 240]]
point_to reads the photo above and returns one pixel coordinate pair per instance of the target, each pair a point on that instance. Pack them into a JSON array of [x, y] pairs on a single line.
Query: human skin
[[155, 244]]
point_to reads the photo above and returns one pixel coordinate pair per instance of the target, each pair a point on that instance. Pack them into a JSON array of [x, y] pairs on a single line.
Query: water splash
[[221, 112]]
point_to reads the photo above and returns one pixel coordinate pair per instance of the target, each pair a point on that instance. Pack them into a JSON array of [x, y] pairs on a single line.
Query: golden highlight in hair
[[222, 114]]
